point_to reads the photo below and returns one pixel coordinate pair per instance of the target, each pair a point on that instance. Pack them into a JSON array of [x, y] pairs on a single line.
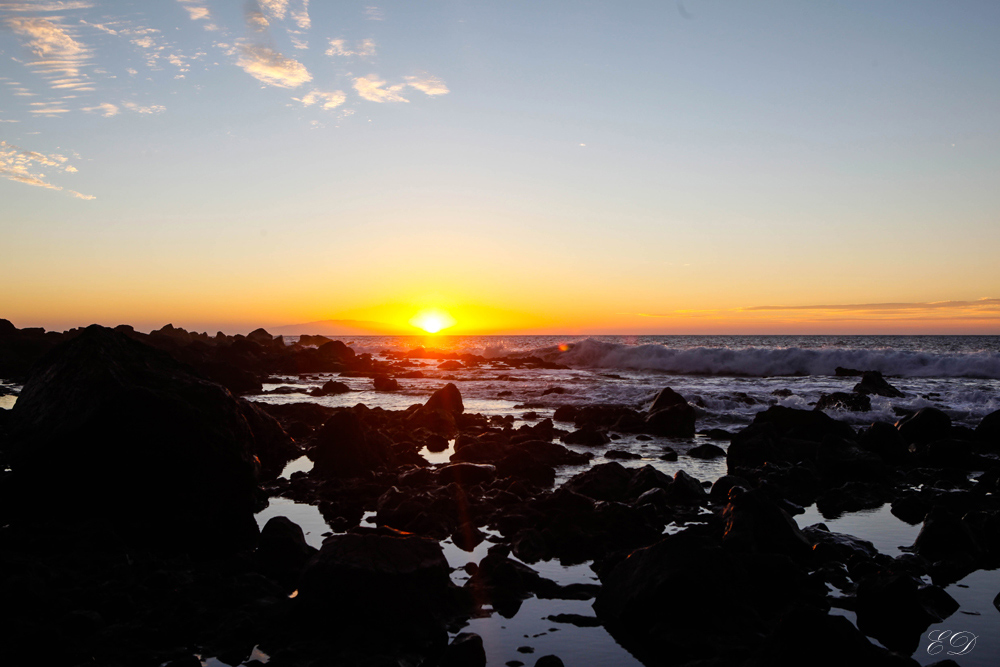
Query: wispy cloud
[[301, 16], [325, 100], [986, 308], [256, 20], [926, 305], [22, 166], [155, 108], [364, 48], [373, 13], [198, 12], [50, 108], [271, 68], [374, 89], [430, 85], [57, 54], [275, 8], [44, 6], [106, 109]]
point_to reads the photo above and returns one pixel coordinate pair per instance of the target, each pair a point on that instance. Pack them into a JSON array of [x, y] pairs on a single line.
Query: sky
[[522, 167]]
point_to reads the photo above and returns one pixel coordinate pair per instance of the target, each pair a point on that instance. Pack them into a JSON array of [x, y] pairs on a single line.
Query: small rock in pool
[[549, 661], [576, 619], [707, 451], [525, 649], [620, 454]]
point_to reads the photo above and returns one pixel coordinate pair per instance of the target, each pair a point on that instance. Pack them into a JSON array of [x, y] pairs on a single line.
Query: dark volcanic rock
[[667, 398], [884, 439], [702, 602], [549, 661], [946, 535], [924, 426], [393, 585], [670, 416], [448, 398], [340, 448], [465, 650], [385, 383], [608, 481], [896, 609], [988, 430], [800, 632], [839, 400], [109, 427], [282, 551], [565, 413], [587, 436], [808, 425], [466, 474], [706, 451], [260, 336], [872, 382], [271, 442], [754, 523], [331, 387]]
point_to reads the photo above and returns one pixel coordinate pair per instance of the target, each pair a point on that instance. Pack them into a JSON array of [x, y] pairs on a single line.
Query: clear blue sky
[[578, 165]]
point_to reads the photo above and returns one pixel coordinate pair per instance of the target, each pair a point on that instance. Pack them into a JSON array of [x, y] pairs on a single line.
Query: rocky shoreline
[[132, 472]]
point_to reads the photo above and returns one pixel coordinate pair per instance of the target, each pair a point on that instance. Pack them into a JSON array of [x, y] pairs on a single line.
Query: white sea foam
[[769, 361]]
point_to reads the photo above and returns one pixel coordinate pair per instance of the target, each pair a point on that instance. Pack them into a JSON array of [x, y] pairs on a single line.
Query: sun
[[433, 320]]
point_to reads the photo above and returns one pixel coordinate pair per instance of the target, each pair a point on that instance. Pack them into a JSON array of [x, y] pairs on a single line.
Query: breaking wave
[[763, 362]]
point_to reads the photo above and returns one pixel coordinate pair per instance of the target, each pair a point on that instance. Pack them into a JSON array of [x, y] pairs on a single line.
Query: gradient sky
[[639, 167]]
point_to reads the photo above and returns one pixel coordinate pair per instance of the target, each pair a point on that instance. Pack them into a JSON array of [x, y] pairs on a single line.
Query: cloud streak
[[375, 89], [43, 6], [271, 68], [22, 166], [338, 47], [429, 85], [58, 55], [987, 308], [927, 305], [325, 100], [107, 109]]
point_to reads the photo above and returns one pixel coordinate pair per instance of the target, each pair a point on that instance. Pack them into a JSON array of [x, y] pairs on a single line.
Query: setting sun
[[432, 320]]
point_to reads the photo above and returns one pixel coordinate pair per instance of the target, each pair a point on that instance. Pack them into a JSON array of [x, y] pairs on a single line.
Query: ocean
[[728, 378]]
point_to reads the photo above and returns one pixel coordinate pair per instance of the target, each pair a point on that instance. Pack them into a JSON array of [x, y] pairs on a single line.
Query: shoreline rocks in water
[[127, 533]]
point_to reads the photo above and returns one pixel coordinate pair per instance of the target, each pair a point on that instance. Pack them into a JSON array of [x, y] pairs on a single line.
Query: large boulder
[[988, 430], [107, 427], [924, 426], [896, 609], [688, 595], [670, 416], [809, 425], [341, 448], [282, 551], [756, 524], [872, 382], [447, 398], [272, 445], [391, 584]]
